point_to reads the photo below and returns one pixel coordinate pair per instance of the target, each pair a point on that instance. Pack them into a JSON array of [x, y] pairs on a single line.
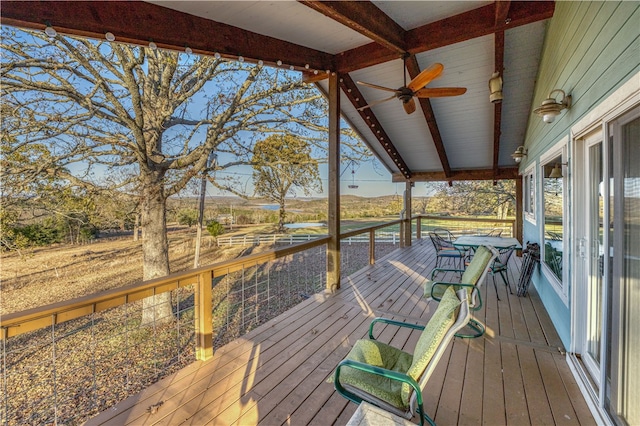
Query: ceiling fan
[[416, 88]]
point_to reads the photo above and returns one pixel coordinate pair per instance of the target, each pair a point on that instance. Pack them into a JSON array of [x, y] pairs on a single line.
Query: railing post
[[203, 317], [418, 228], [372, 247]]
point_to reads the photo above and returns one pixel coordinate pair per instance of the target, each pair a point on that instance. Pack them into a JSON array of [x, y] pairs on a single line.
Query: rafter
[[365, 18], [455, 29], [497, 114], [139, 22], [354, 95], [427, 110], [501, 16], [471, 174]]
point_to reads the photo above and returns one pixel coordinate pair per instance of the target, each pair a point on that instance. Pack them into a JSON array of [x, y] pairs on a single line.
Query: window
[[554, 176], [529, 194]]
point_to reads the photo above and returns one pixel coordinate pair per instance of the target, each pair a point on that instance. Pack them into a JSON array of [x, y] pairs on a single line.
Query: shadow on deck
[[276, 374]]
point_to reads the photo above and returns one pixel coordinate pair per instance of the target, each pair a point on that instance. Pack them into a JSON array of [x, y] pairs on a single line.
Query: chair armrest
[[446, 284], [394, 375], [392, 322], [434, 271]]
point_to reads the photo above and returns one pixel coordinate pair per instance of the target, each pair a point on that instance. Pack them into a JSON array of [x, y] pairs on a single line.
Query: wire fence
[[69, 372]]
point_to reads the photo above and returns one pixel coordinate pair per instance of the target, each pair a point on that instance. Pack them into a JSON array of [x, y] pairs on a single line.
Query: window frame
[[560, 285], [530, 193]]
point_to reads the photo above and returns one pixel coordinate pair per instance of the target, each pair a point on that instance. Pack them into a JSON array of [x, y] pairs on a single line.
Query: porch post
[[407, 215], [519, 212], [203, 317], [333, 219]]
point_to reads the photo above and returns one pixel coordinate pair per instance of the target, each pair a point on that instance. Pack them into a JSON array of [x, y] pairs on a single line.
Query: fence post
[[372, 247], [203, 317]]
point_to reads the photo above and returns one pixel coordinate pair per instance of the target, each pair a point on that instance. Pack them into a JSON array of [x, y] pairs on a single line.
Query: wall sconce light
[[550, 107], [495, 88], [520, 152]]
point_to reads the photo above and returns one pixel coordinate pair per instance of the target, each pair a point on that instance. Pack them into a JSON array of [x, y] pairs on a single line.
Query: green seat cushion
[[477, 266], [431, 337], [381, 355]]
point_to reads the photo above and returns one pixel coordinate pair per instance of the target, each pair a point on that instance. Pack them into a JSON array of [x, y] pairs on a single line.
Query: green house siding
[[590, 50]]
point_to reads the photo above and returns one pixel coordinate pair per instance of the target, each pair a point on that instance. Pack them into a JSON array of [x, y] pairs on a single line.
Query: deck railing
[[65, 362]]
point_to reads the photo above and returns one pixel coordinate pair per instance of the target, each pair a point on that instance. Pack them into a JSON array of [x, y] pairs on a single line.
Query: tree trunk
[[281, 216], [136, 227], [155, 252]]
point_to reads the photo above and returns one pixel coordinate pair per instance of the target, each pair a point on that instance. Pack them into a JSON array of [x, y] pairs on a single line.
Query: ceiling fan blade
[[409, 106], [374, 103], [438, 92], [425, 77], [375, 86]]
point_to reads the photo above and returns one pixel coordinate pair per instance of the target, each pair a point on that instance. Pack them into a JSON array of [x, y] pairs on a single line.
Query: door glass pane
[[553, 223], [596, 251], [630, 279]]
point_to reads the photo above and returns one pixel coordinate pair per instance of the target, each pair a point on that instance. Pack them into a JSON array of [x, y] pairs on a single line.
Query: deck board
[[277, 373]]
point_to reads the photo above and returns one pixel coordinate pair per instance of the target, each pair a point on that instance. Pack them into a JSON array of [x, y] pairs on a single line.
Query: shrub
[[215, 228], [188, 217]]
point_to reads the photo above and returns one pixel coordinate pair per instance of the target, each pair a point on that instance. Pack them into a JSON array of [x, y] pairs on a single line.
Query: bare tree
[[282, 163], [475, 198], [95, 107]]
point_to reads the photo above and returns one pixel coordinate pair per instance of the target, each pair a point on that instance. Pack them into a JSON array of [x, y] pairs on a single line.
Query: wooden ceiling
[[360, 40]]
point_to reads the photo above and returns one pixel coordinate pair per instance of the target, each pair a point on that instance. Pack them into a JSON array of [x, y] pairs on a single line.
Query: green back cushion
[[431, 337], [477, 266]]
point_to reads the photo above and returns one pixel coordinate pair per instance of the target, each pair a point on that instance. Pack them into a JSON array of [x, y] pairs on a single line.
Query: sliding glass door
[[622, 390]]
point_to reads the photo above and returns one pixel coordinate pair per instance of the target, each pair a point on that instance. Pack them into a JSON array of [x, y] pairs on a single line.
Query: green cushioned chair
[[393, 379], [472, 278]]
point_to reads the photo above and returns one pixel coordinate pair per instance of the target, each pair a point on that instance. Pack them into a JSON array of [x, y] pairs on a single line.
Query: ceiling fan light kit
[[415, 89]]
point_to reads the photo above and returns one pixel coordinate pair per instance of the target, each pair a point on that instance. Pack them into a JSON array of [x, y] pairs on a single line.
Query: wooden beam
[[139, 22], [519, 209], [365, 18], [497, 107], [406, 224], [502, 12], [455, 29], [333, 214], [427, 110], [354, 95], [472, 174]]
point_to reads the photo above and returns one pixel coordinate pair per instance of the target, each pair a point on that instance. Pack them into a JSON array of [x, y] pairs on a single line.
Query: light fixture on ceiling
[[495, 88], [550, 107], [520, 152], [49, 30]]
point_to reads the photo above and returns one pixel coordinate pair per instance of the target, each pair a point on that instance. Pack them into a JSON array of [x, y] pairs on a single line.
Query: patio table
[[475, 241]]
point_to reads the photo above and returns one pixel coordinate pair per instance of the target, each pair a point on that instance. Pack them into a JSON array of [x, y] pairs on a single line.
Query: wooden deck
[[277, 373]]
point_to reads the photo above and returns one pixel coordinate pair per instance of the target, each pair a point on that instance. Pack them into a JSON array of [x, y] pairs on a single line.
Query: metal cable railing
[[65, 362]]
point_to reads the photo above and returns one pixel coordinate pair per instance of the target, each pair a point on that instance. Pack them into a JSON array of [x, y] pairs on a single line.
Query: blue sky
[[371, 177]]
